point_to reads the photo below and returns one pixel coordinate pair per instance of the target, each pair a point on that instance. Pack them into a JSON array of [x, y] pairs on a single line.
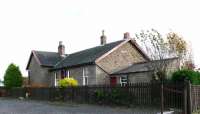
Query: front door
[[113, 81]]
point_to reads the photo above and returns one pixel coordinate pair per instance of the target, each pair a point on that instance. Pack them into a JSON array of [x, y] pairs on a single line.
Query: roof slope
[[48, 58], [87, 56], [138, 67], [143, 66]]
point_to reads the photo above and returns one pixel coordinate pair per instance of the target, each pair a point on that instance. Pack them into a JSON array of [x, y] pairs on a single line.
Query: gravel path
[[15, 106]]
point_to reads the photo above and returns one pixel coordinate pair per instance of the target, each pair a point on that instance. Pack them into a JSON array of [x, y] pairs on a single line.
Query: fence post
[[185, 87], [162, 97], [189, 99]]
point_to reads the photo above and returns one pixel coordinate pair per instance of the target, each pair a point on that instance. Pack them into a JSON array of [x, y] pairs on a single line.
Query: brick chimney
[[103, 38], [61, 49], [126, 35]]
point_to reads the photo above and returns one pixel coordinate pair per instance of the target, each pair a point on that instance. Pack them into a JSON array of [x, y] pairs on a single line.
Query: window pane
[[123, 80], [86, 80], [62, 74]]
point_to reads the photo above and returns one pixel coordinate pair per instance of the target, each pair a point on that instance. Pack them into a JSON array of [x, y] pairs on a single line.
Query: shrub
[[115, 97], [191, 75], [13, 77], [66, 82]]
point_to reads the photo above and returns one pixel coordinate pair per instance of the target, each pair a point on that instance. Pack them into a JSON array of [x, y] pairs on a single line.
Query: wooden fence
[[195, 97], [139, 94]]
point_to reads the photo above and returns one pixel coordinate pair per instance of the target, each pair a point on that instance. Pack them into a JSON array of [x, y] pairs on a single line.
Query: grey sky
[[27, 25]]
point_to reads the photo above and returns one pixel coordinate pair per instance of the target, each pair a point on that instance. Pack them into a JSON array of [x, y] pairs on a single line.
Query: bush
[[191, 75], [115, 97], [13, 77], [66, 82]]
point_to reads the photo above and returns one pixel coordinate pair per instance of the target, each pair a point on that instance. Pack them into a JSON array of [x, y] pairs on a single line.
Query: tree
[[181, 75], [13, 76], [161, 48], [177, 45], [181, 48]]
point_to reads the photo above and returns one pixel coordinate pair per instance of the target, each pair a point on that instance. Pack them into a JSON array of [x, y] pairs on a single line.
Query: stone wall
[[77, 73], [102, 76], [121, 58], [172, 66], [39, 76], [140, 77]]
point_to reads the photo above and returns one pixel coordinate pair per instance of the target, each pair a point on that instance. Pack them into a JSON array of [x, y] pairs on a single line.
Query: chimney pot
[[60, 42], [126, 35], [61, 49], [103, 38]]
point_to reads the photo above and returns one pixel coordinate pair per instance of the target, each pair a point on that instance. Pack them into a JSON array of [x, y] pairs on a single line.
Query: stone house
[[112, 63]]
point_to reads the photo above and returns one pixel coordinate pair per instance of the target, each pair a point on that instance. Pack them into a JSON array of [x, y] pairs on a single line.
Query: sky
[[27, 25]]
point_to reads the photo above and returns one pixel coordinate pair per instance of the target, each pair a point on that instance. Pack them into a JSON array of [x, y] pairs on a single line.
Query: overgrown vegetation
[[181, 75], [67, 82], [13, 77]]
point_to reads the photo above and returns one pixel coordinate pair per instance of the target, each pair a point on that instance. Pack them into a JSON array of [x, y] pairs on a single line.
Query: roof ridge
[[45, 51], [80, 50], [96, 47]]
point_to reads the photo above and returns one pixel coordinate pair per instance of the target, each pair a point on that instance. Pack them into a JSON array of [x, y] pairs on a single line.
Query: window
[[85, 77], [63, 74], [56, 79], [68, 74], [123, 80]]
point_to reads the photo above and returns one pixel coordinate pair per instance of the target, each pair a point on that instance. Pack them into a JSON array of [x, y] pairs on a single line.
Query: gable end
[[30, 58]]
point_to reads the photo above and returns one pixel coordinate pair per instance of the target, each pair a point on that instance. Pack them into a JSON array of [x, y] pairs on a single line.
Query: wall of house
[[140, 77], [172, 66], [137, 77], [77, 73], [39, 76], [121, 58], [102, 77], [51, 78]]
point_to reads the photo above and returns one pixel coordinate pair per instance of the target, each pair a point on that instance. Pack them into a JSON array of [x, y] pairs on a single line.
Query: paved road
[[15, 106]]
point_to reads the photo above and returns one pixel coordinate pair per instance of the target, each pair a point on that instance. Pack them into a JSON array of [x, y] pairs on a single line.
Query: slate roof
[[138, 67], [142, 67], [87, 56], [48, 58]]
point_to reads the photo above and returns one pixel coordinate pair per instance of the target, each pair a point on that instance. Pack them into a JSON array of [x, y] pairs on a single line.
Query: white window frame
[[123, 81], [84, 78], [67, 74], [56, 79]]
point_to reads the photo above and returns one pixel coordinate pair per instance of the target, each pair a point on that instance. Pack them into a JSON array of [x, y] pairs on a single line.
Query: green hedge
[[114, 97], [191, 75]]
